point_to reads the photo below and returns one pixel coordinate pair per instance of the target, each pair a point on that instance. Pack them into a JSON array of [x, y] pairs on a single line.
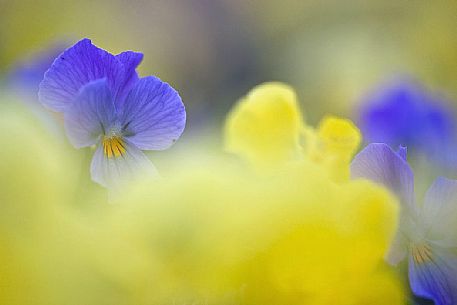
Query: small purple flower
[[106, 104], [403, 112], [25, 76], [23, 81], [427, 235]]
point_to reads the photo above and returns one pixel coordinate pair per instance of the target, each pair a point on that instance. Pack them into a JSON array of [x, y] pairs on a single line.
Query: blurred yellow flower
[[210, 232], [236, 237], [333, 145], [266, 128], [51, 252]]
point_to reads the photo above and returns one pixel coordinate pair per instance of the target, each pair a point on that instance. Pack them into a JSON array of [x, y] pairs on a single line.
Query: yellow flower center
[[113, 146], [422, 253]]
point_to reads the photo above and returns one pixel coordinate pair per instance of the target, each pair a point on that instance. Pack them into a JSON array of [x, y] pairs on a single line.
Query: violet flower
[[404, 112], [26, 75], [105, 103], [427, 235]]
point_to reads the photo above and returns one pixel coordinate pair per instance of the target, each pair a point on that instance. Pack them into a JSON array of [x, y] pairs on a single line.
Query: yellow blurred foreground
[[211, 231]]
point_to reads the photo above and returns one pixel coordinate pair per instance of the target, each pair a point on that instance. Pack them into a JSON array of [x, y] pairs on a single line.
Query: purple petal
[[114, 171], [83, 63], [92, 112], [403, 112], [435, 279], [403, 152], [393, 113], [379, 163], [153, 114], [130, 60], [440, 211]]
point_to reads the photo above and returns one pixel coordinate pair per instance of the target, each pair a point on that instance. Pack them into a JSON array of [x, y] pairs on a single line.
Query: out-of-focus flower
[[237, 237], [402, 112], [25, 77], [427, 232], [266, 128], [106, 104], [333, 144], [23, 81]]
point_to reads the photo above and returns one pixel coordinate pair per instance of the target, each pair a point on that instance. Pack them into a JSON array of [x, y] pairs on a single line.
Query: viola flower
[[427, 235], [105, 103], [403, 112]]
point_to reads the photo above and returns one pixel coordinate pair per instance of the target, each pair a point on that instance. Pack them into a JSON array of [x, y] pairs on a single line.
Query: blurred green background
[[214, 51]]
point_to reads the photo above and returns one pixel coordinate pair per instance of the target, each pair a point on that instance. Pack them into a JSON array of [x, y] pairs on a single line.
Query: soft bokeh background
[[213, 51]]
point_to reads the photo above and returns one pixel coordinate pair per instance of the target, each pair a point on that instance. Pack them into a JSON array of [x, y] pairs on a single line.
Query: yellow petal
[[264, 127], [339, 136], [333, 144]]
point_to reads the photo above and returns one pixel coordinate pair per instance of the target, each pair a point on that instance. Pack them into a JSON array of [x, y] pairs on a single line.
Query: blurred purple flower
[[25, 77], [427, 235], [23, 81], [106, 104], [403, 113]]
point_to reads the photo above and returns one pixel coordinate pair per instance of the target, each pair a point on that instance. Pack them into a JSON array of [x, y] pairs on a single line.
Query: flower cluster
[[212, 231], [404, 114], [285, 215]]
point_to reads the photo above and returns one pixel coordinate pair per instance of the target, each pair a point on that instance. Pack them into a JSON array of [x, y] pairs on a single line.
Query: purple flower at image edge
[[403, 112], [106, 104], [26, 75], [427, 235], [23, 81]]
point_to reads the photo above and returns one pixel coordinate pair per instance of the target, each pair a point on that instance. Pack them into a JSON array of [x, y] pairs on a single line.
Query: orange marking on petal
[[422, 253], [113, 147]]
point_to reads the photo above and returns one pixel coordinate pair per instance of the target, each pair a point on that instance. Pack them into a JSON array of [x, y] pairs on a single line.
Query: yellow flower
[[235, 237], [266, 128], [333, 145], [52, 250]]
